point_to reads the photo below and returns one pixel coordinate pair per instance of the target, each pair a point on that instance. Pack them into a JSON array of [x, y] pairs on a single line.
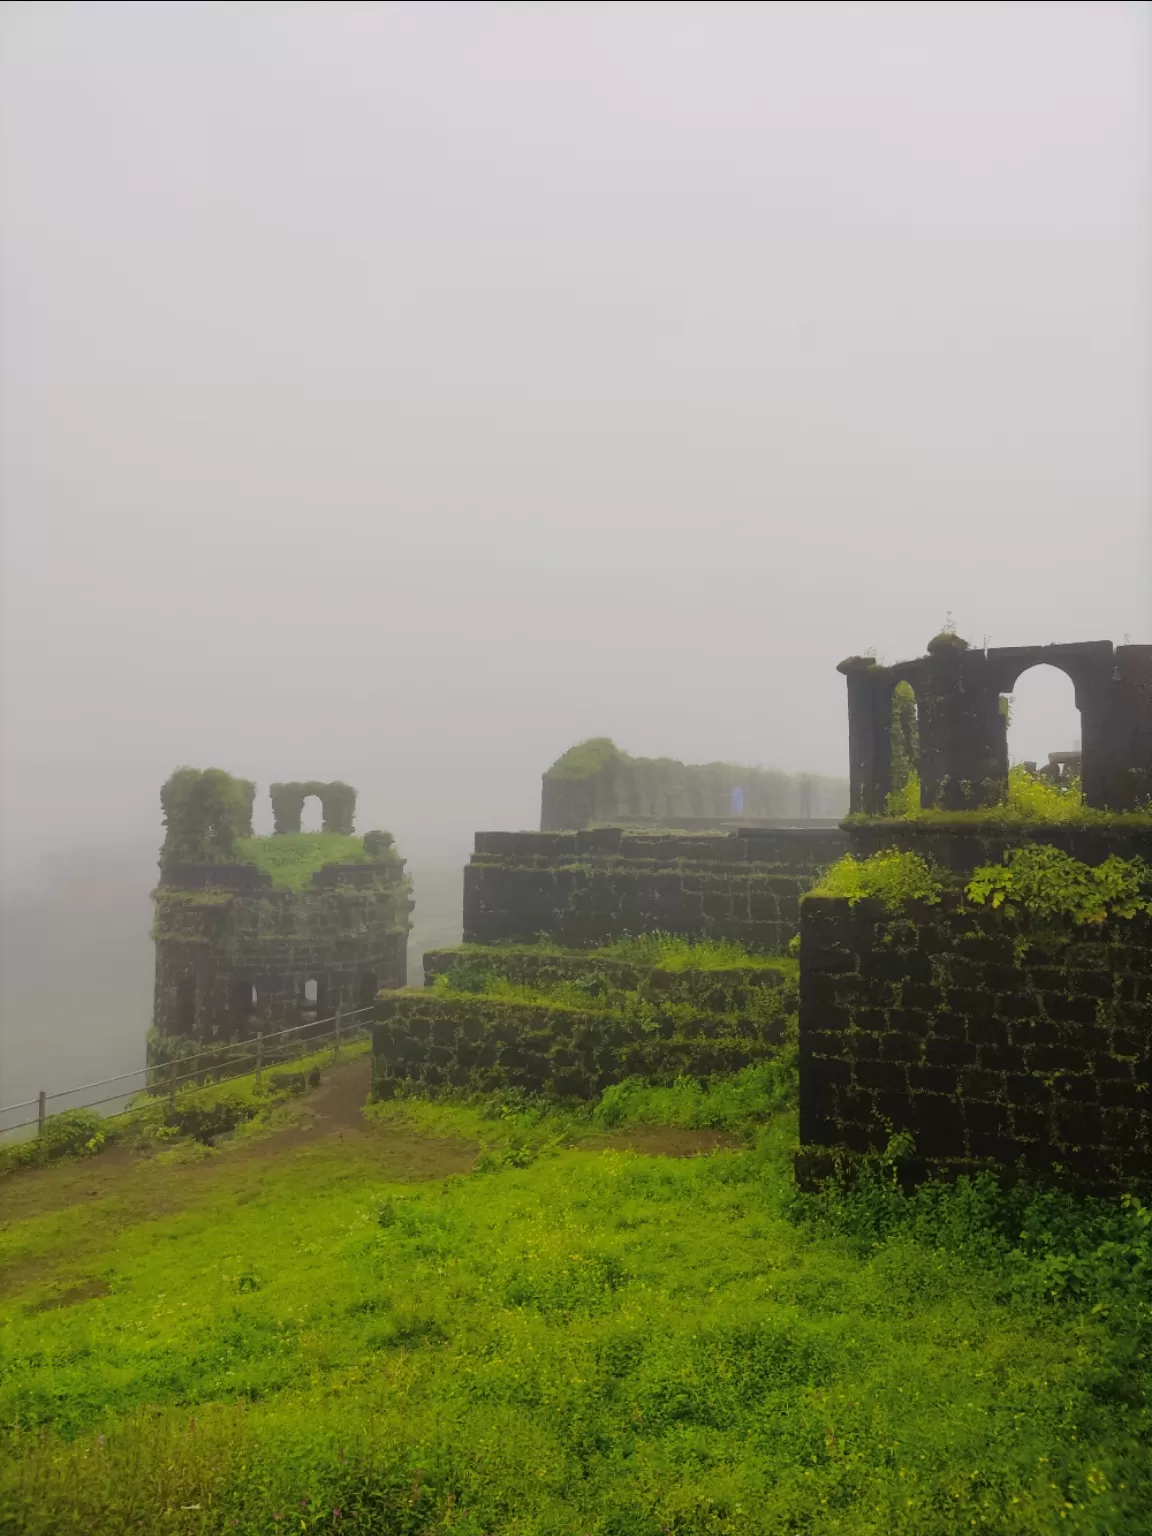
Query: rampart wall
[[583, 888], [987, 1037]]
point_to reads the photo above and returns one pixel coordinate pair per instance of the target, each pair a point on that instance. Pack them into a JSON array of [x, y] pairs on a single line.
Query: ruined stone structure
[[580, 1019], [246, 941], [596, 783], [583, 888], [963, 745], [982, 1036], [986, 1034]]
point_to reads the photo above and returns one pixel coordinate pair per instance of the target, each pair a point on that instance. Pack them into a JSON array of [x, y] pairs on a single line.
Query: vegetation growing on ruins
[[891, 877], [1032, 800], [570, 1339], [668, 951], [291, 858], [205, 812], [1049, 883], [584, 759], [1038, 878]]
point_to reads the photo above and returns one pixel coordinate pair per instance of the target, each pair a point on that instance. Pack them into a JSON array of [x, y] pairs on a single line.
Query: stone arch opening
[[1044, 723], [312, 814], [904, 750]]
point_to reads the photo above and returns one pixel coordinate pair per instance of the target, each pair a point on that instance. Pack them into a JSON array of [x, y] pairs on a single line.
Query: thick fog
[[400, 393]]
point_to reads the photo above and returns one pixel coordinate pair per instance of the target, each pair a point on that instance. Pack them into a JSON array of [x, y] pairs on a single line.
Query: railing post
[[172, 1084], [259, 1055], [336, 1047], [41, 1111]]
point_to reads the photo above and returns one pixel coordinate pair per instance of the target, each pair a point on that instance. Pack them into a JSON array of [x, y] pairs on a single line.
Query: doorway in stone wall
[[312, 814], [1044, 729], [904, 752]]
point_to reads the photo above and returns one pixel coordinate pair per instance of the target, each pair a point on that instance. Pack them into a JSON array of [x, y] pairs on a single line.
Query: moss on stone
[[291, 858]]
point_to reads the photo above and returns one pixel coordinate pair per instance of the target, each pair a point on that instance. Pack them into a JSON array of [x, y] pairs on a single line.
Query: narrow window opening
[[186, 1005], [904, 760]]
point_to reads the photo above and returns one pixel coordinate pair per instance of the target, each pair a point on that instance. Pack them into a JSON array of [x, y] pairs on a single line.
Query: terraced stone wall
[[586, 888], [584, 1024]]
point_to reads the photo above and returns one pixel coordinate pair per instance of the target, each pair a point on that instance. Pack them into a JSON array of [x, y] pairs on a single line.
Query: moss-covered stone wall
[[985, 1036], [585, 888], [267, 933], [234, 953], [712, 990]]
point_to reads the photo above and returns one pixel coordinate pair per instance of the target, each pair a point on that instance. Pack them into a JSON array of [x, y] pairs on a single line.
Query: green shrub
[[1049, 883], [892, 877], [205, 1122]]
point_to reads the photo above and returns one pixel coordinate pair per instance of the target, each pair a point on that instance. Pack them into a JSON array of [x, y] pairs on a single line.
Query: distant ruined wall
[[583, 888], [597, 783]]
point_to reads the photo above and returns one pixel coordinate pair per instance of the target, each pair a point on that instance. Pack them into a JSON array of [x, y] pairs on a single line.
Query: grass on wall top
[[291, 858], [662, 951]]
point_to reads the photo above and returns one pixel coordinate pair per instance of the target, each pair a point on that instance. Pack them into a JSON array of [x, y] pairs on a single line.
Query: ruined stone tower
[[262, 933]]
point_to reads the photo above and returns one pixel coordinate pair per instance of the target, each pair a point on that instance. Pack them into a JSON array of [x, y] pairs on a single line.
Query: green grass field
[[485, 1318]]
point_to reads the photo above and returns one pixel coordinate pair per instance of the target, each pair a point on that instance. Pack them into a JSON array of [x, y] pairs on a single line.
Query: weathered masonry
[[595, 783], [268, 932], [584, 888], [581, 1022], [963, 744], [613, 992], [1019, 1034], [982, 1036]]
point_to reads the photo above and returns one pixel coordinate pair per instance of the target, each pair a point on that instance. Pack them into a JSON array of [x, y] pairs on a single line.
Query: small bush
[[205, 1123], [892, 878], [1050, 883]]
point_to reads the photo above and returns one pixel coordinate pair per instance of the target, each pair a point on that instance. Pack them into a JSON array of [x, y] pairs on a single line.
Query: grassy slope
[[594, 1342]]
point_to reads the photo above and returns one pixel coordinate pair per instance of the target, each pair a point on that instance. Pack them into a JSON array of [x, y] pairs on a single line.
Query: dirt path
[[145, 1185], [149, 1185]]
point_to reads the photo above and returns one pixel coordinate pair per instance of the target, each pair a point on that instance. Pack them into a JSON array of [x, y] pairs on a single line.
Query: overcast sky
[[401, 393]]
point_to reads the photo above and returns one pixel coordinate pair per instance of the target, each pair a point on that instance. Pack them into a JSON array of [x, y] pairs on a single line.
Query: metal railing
[[260, 1051]]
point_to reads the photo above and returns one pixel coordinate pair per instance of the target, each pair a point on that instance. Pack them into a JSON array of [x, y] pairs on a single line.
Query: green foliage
[[574, 1341], [1049, 883], [674, 952], [72, 1133], [905, 740], [904, 803], [205, 811], [667, 951], [891, 877], [726, 1104], [204, 1122], [1031, 800], [585, 759], [291, 858]]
